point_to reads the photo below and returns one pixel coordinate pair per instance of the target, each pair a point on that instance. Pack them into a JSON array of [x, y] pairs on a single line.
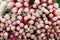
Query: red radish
[[14, 38], [2, 25], [5, 35], [33, 17], [49, 38], [50, 22], [14, 1], [50, 7], [50, 15], [8, 28], [51, 35], [21, 25], [31, 26], [43, 30], [10, 5], [2, 6], [57, 12], [25, 18], [50, 1], [37, 2], [41, 21], [21, 31], [54, 19], [54, 24], [34, 6], [3, 20], [44, 10], [13, 19], [31, 31], [26, 27], [19, 17], [20, 10], [38, 31], [25, 22], [46, 27], [18, 4], [31, 22], [44, 0], [39, 6], [32, 10], [43, 15], [55, 5], [18, 28], [16, 33], [28, 34], [13, 28], [44, 5], [46, 22], [53, 38], [9, 0], [41, 24], [32, 36], [58, 21], [37, 15], [27, 1], [26, 10], [45, 38], [43, 34], [7, 17], [38, 26], [22, 1], [51, 10], [53, 0], [26, 4], [18, 22]]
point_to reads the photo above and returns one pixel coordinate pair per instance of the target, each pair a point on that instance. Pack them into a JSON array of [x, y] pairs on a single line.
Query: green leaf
[[32, 2], [57, 1]]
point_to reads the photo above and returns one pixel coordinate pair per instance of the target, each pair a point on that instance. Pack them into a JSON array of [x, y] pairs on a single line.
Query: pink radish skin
[[14, 38]]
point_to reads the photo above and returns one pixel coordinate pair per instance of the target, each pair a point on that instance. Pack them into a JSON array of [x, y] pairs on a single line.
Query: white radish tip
[[16, 33], [32, 10], [31, 22], [21, 25], [26, 27], [18, 28], [56, 5], [26, 10], [25, 18], [14, 10], [44, 0], [5, 34], [50, 7], [12, 27], [37, 2], [19, 17], [10, 5], [26, 4], [8, 28], [18, 4], [44, 5]]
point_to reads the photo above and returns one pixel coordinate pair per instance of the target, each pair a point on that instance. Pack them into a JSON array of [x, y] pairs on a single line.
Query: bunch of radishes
[[40, 21]]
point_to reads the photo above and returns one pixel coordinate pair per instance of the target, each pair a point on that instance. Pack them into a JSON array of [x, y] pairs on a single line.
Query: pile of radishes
[[40, 21]]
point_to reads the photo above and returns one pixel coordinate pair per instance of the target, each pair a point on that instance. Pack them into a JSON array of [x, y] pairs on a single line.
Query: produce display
[[21, 21]]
